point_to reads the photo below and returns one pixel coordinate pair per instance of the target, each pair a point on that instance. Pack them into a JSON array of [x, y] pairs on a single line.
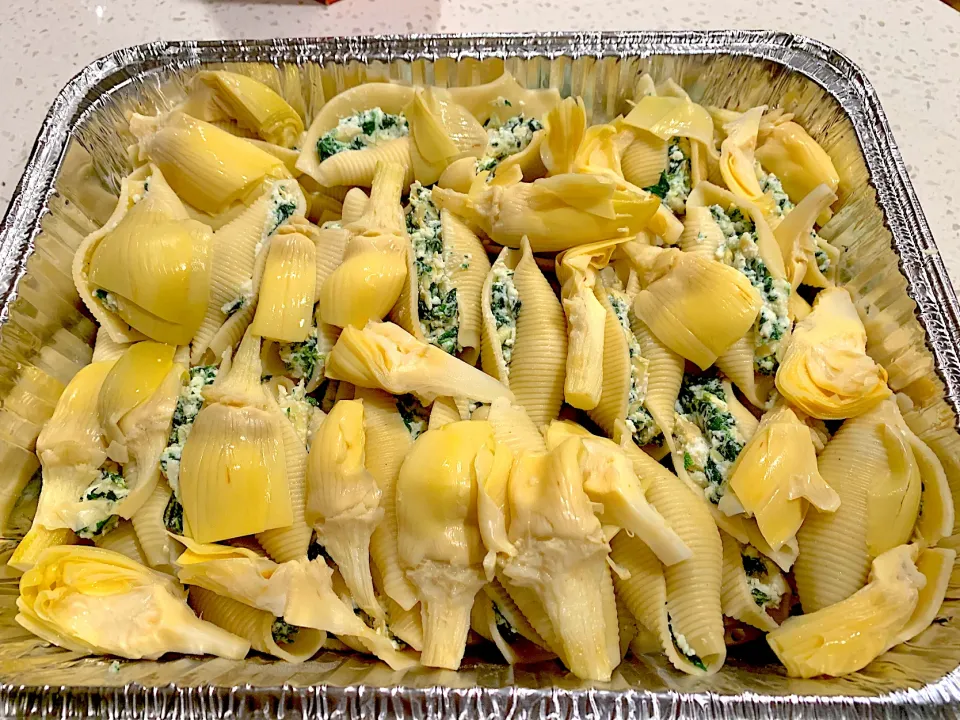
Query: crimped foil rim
[[921, 264]]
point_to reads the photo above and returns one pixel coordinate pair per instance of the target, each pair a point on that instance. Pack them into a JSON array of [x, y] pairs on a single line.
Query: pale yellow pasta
[[123, 539], [255, 626], [538, 347], [291, 542], [871, 466], [233, 285], [160, 549], [388, 439]]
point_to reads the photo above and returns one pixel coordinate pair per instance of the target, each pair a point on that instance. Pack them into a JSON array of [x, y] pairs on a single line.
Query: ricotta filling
[[302, 359], [765, 581], [415, 416], [739, 250], [707, 435], [360, 131], [188, 407], [95, 517], [639, 421], [509, 138], [505, 306], [437, 297]]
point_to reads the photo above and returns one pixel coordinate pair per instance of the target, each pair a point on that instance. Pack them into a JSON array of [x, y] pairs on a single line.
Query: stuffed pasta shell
[[524, 342], [146, 273]]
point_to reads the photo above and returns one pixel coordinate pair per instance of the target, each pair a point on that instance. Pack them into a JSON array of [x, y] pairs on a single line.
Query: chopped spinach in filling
[[676, 180], [823, 260], [303, 358], [506, 630], [510, 138], [103, 494], [766, 582], [739, 250], [299, 409], [188, 406], [505, 306], [108, 299], [683, 647], [362, 130], [770, 185], [638, 420], [283, 632], [283, 204], [173, 516], [707, 434], [414, 415], [437, 297]]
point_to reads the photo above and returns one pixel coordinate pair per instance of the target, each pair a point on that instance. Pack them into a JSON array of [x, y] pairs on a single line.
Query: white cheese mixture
[[302, 410], [108, 300], [739, 250], [706, 433], [766, 582], [365, 129], [303, 359], [505, 306], [95, 517], [437, 302], [510, 138], [678, 175], [770, 185], [188, 406], [639, 421]]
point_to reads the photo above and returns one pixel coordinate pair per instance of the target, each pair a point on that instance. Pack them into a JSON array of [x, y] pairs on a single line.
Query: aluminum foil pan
[[890, 265]]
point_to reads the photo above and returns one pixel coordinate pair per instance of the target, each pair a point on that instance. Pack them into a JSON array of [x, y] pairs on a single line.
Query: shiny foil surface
[[889, 264]]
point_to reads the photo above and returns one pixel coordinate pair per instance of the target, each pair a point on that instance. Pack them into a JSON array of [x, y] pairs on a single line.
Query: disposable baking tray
[[890, 265]]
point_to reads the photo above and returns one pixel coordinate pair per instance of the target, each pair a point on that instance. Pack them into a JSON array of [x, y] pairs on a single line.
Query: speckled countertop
[[910, 49]]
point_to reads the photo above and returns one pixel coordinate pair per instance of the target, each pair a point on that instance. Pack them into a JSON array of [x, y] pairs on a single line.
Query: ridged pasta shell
[[735, 596], [468, 277], [160, 549], [664, 376], [122, 539], [357, 167], [388, 441], [737, 364], [835, 552], [234, 257], [692, 586], [354, 205], [255, 626], [291, 542], [701, 234], [644, 159], [538, 365]]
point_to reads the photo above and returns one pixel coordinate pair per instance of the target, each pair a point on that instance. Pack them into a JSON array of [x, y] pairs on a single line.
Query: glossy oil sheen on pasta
[[396, 369]]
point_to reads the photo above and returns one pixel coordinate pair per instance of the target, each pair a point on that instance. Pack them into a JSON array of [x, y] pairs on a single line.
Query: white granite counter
[[910, 49]]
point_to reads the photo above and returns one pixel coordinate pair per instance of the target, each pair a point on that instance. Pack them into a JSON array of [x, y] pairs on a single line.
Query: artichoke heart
[[371, 277], [287, 289], [439, 535], [554, 213], [233, 477], [442, 132], [562, 556], [133, 379], [154, 272], [846, 636], [695, 306], [383, 355], [776, 476], [577, 270], [799, 162], [253, 106], [208, 167], [343, 500], [668, 117], [826, 371], [91, 600], [610, 481]]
